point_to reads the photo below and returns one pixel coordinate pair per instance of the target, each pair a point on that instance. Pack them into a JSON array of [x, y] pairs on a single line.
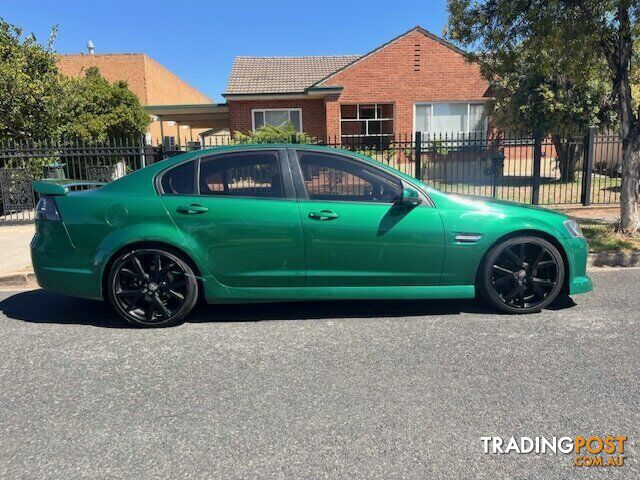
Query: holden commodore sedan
[[258, 223]]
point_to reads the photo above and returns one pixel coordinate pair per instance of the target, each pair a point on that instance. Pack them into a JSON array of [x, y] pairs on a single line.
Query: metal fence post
[[418, 155], [497, 161], [587, 167], [537, 156], [143, 157]]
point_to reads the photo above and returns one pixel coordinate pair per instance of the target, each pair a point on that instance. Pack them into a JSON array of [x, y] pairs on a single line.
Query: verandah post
[[418, 155], [587, 168]]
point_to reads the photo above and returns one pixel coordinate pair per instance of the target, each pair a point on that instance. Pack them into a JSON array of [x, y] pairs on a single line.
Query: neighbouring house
[[415, 82], [179, 111]]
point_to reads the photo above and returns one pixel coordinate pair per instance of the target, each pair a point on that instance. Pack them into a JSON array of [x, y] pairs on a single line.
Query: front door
[[355, 234], [238, 213]]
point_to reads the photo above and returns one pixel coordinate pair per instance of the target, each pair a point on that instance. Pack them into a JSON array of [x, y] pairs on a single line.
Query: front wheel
[[522, 275], [152, 287]]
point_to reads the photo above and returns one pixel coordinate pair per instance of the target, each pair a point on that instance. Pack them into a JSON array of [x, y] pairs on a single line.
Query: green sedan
[[258, 223]]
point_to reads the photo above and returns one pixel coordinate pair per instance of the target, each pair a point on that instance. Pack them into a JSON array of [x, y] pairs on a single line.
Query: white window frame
[[468, 103], [366, 120], [265, 110]]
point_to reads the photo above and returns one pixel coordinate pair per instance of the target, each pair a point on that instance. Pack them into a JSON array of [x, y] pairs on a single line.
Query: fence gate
[[22, 162], [17, 194]]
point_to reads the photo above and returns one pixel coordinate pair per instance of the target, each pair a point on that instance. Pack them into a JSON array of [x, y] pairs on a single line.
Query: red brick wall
[[113, 67], [166, 88], [313, 114], [414, 68]]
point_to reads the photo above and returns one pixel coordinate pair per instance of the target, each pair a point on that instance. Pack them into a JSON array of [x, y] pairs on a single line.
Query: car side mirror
[[409, 197]]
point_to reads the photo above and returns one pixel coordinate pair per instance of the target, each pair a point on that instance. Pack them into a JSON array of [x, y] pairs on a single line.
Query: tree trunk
[[619, 55], [568, 153], [629, 219]]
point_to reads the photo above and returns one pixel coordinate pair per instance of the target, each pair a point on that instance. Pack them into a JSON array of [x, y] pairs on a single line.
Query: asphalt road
[[332, 390]]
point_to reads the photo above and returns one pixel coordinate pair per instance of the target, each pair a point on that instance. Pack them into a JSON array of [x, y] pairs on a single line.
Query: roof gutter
[[321, 90], [314, 92]]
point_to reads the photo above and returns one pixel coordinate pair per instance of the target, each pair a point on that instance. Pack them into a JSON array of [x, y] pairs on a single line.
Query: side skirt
[[247, 295]]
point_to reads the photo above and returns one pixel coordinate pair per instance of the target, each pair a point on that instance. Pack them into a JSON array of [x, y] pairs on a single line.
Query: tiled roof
[[256, 75]]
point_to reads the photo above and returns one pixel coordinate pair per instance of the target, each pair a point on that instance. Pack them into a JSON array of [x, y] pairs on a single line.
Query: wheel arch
[[149, 244], [531, 232]]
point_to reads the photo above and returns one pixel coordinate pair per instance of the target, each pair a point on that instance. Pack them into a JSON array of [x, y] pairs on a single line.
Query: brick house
[[158, 89], [416, 81]]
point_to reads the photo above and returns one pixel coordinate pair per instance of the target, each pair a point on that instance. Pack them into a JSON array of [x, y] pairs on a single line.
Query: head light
[[573, 228]]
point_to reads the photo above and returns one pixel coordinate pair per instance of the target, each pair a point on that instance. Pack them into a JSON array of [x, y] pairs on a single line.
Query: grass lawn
[[603, 238]]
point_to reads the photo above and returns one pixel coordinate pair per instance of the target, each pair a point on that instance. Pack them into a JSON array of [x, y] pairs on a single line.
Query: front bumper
[[577, 250]]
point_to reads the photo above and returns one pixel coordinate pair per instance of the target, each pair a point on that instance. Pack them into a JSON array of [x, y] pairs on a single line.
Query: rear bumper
[[60, 267]]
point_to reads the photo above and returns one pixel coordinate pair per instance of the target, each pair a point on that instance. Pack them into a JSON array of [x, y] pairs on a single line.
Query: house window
[[451, 118], [277, 117], [366, 124]]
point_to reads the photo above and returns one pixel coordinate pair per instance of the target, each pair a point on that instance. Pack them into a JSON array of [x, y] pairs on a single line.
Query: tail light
[[47, 210]]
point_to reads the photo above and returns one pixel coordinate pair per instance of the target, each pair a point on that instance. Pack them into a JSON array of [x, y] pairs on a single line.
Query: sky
[[197, 40]]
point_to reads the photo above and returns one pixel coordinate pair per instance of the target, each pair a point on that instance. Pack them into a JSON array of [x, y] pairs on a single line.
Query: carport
[[198, 116]]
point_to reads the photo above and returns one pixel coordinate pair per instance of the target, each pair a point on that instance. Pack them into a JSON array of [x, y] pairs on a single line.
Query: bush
[[285, 133]]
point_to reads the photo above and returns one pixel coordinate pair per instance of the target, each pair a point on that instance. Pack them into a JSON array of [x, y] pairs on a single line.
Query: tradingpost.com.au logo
[[592, 451]]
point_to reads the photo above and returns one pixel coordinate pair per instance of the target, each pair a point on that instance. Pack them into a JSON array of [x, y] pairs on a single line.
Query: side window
[[331, 177], [179, 180], [246, 174]]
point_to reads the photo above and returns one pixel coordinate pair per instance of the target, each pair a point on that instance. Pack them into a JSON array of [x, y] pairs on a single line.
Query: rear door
[[239, 214], [355, 234]]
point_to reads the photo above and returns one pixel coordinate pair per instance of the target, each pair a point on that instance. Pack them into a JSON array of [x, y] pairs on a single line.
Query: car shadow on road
[[38, 306]]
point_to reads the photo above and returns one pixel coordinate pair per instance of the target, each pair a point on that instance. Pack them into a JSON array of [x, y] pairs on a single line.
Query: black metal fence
[[521, 168]]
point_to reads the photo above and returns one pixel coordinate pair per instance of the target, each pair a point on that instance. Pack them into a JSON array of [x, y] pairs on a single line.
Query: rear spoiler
[[62, 187]]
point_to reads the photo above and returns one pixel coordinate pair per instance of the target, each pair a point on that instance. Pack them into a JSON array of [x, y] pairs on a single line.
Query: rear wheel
[[522, 275], [152, 287]]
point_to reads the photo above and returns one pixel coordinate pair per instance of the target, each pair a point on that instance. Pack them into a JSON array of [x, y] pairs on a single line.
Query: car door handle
[[192, 209], [323, 215]]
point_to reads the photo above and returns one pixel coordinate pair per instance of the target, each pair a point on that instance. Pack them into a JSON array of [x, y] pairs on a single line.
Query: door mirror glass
[[409, 197]]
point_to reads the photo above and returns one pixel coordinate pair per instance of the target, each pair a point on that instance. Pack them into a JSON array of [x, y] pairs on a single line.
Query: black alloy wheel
[[152, 288], [522, 275]]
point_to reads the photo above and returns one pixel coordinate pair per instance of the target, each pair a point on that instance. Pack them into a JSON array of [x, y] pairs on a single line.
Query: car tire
[[521, 275], [152, 287]]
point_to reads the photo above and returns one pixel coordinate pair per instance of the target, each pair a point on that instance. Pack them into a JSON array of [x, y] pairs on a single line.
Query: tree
[[29, 85], [533, 91], [95, 109], [577, 32], [37, 103]]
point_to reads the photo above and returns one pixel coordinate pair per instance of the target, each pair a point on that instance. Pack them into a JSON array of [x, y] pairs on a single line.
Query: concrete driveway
[[330, 390]]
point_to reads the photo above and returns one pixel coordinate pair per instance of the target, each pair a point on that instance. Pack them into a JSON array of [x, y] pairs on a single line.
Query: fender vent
[[467, 237]]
